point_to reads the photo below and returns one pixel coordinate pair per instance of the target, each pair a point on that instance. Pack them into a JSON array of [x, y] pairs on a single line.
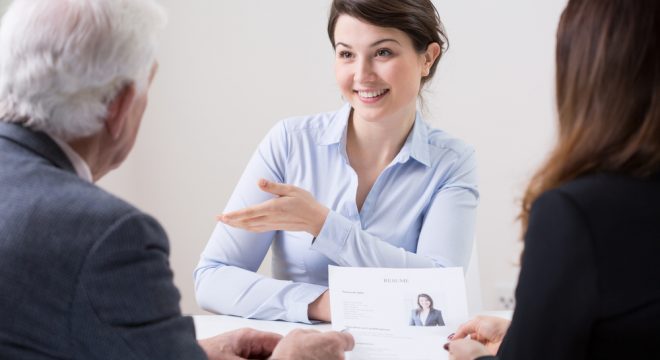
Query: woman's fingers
[[263, 209], [277, 188], [293, 210], [262, 220], [466, 329]]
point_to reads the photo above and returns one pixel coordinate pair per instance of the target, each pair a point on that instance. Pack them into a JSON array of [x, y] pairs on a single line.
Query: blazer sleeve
[[557, 294], [438, 321], [127, 282], [413, 316]]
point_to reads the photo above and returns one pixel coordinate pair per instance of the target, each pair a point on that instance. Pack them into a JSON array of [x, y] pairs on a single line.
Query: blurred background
[[229, 70]]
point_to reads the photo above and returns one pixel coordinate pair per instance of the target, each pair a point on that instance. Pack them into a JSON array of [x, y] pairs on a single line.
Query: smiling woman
[[368, 185]]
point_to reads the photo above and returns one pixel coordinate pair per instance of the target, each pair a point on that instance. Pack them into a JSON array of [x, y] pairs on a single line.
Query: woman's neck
[[377, 142]]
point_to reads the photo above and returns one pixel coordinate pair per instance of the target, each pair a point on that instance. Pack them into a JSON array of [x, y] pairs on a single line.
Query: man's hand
[[294, 209], [313, 345], [240, 344]]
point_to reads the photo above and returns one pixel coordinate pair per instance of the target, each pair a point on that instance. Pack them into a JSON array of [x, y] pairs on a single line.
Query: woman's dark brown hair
[[417, 18], [419, 306], [608, 72]]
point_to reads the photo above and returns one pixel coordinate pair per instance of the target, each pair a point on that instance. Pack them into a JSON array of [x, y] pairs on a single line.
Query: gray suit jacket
[[434, 318], [83, 274]]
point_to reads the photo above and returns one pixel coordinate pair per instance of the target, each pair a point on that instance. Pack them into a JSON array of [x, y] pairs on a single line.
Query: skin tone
[[379, 73], [478, 337], [425, 304], [240, 344], [296, 345], [107, 149], [313, 345], [465, 349]]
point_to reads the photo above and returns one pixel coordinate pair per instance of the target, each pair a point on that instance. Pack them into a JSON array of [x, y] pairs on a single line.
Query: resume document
[[397, 314]]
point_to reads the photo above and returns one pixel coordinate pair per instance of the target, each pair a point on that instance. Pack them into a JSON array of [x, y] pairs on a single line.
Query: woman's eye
[[383, 52], [345, 55]]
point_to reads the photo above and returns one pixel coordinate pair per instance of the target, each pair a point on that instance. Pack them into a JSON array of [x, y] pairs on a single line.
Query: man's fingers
[[343, 339], [264, 343], [347, 338], [300, 331], [249, 343]]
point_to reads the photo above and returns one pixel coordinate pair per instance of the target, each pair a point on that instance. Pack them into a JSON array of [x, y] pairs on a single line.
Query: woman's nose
[[365, 71]]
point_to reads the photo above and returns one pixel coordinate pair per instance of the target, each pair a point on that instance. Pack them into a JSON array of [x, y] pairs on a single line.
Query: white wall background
[[230, 69]]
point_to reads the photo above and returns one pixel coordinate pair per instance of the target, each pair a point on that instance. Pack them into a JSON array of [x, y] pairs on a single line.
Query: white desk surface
[[211, 325]]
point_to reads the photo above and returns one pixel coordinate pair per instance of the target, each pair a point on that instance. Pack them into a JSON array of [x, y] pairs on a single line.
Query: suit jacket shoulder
[[589, 286], [88, 273]]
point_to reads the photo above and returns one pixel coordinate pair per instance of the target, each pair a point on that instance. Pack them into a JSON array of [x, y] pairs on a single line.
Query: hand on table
[[313, 345], [240, 344], [294, 209]]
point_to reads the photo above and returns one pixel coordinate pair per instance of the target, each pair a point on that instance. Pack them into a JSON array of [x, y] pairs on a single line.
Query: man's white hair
[[63, 61]]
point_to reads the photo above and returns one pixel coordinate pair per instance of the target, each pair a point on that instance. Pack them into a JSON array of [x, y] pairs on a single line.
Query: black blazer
[[434, 318], [589, 285], [83, 275]]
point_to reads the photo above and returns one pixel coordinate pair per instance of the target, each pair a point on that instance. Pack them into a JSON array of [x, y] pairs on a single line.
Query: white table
[[210, 325]]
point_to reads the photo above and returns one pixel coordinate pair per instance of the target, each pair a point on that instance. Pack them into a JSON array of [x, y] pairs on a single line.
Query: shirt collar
[[79, 164], [416, 145], [335, 133]]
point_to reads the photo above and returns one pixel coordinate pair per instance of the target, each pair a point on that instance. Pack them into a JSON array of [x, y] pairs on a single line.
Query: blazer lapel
[[37, 142]]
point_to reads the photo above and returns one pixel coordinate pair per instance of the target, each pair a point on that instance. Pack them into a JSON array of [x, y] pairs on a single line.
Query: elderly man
[[83, 274]]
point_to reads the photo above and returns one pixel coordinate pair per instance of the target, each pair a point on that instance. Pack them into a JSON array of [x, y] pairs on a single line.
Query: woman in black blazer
[[589, 286], [426, 314]]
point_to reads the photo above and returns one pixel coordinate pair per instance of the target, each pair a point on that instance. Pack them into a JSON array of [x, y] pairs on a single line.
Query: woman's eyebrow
[[383, 41], [372, 45]]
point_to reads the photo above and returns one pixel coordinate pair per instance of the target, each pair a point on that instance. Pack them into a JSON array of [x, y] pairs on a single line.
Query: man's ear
[[118, 108]]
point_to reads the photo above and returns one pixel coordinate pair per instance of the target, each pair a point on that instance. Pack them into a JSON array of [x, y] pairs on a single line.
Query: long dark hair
[[419, 19], [608, 103], [419, 306]]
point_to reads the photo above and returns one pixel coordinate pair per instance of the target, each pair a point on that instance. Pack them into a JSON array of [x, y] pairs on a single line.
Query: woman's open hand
[[294, 209]]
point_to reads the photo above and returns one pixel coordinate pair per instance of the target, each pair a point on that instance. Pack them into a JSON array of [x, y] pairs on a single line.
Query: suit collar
[[37, 142]]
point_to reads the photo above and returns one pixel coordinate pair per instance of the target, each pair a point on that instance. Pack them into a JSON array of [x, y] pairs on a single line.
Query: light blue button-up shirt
[[420, 212]]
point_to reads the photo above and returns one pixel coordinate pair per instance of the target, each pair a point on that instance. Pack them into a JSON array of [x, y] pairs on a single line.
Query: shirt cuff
[[333, 235], [299, 302]]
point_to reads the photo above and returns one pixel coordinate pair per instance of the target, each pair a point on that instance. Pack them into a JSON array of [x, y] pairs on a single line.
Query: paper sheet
[[380, 307]]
